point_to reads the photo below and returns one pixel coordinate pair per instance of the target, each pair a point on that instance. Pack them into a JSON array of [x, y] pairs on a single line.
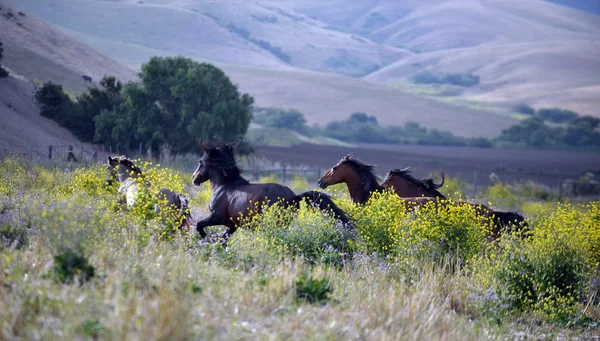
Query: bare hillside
[[40, 52], [22, 129], [229, 31], [540, 74], [442, 24], [324, 97]]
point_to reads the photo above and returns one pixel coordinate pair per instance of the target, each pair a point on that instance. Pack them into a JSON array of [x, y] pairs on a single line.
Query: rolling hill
[[40, 52], [36, 52], [511, 45]]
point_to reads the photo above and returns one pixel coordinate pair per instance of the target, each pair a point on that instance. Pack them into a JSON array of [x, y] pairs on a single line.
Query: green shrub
[[460, 79], [556, 115], [525, 109], [313, 290], [71, 265], [13, 235]]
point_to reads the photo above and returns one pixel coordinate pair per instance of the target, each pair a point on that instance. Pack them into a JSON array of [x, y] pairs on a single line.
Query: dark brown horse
[[361, 181], [233, 197], [403, 183], [406, 185]]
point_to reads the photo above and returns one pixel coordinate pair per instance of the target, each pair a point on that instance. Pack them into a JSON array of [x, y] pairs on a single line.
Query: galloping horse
[[129, 175], [404, 183], [411, 186], [233, 197], [362, 182]]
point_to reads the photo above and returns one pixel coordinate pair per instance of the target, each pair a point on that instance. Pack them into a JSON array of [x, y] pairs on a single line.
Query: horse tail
[[323, 202], [436, 186]]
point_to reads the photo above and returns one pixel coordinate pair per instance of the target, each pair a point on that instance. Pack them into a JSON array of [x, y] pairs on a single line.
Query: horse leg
[[211, 220]]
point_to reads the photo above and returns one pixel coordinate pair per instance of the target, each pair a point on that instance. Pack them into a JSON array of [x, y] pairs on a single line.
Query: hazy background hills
[[331, 58]]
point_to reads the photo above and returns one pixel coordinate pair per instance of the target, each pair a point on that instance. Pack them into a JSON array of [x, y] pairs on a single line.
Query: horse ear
[[347, 157], [113, 161]]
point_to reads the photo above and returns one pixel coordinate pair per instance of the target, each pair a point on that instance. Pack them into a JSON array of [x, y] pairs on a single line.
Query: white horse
[[128, 175]]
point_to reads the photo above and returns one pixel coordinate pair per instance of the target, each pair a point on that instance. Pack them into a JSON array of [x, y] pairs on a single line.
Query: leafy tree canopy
[[177, 102]]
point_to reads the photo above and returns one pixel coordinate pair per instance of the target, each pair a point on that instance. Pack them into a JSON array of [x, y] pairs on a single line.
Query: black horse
[[233, 197]]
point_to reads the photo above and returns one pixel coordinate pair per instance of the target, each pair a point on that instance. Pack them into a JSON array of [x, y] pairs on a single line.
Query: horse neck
[[406, 188], [218, 180], [359, 192]]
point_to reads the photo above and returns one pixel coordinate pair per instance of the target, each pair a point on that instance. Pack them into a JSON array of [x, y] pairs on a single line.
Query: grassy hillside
[[527, 51], [542, 74], [257, 34], [22, 129], [324, 98], [38, 51]]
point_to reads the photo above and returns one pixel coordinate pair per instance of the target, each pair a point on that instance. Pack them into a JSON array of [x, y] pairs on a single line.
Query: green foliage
[[549, 272], [579, 133], [385, 227], [244, 33], [284, 232], [70, 265], [556, 115], [176, 104], [54, 103], [13, 234], [78, 116], [313, 290], [360, 127], [280, 118], [525, 109], [91, 104], [460, 79], [91, 328]]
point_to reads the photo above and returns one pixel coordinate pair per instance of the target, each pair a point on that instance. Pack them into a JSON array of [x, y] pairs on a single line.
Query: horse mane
[[426, 183], [221, 156], [365, 171]]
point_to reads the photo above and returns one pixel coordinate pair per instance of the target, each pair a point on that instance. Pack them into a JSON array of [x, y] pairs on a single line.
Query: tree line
[[579, 132], [176, 103]]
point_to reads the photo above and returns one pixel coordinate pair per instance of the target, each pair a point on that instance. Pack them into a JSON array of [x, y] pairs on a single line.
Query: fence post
[[284, 169], [256, 173], [474, 184], [50, 152]]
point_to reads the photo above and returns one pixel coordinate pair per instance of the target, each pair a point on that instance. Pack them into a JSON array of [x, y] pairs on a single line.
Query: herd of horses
[[234, 197]]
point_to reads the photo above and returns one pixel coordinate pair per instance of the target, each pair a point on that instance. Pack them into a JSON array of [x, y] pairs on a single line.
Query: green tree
[[279, 118], [177, 102], [3, 72], [54, 103], [91, 104]]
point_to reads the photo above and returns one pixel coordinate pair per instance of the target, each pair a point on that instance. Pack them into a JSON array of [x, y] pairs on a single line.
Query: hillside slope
[[524, 51], [37, 51], [22, 129], [540, 74], [256, 33], [324, 97], [444, 24]]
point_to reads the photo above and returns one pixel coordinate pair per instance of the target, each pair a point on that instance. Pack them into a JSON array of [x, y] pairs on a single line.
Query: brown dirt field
[[548, 167]]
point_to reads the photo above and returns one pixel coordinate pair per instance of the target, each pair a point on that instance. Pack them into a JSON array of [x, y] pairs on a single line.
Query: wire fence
[[84, 155]]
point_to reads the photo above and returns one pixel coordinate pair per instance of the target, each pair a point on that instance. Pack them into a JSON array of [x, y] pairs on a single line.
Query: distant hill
[[259, 34], [36, 52], [40, 52], [524, 51]]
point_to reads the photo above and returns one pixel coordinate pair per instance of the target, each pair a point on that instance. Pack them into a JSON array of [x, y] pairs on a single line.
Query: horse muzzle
[[322, 184]]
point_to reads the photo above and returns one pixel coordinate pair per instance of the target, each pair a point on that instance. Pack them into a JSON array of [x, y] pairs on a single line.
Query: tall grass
[[75, 264]]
